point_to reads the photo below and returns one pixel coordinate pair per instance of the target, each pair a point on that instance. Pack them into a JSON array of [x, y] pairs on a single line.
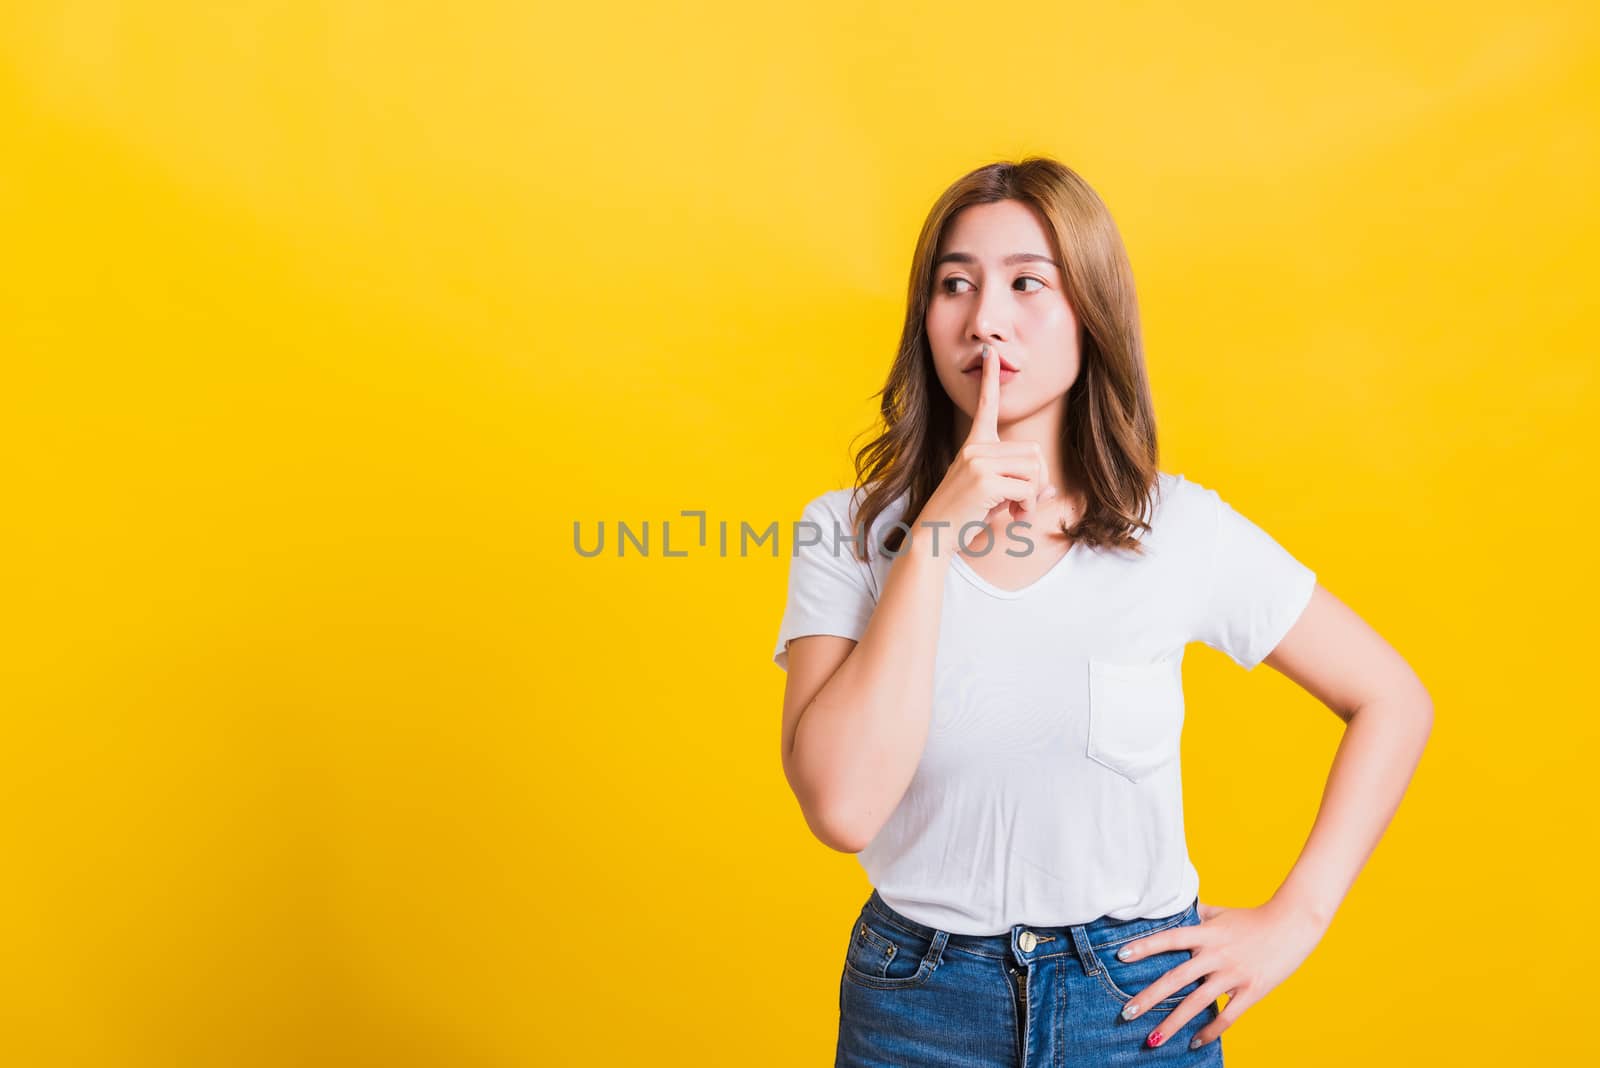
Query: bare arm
[[1337, 658], [855, 714]]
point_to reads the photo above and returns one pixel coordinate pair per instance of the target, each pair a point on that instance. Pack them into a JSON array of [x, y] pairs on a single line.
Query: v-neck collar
[[1058, 568]]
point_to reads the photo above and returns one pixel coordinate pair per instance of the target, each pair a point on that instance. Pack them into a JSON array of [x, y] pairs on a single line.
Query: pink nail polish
[[1154, 1039]]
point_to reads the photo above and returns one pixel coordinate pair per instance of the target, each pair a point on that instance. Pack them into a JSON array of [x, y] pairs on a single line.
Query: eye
[[948, 283]]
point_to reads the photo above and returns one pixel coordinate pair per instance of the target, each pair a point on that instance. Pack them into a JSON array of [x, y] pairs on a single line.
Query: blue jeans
[[914, 995]]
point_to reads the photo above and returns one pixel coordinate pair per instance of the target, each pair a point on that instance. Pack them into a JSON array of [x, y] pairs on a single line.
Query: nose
[[991, 316]]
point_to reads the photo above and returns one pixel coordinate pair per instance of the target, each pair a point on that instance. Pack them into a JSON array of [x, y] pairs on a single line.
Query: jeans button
[[1028, 941]]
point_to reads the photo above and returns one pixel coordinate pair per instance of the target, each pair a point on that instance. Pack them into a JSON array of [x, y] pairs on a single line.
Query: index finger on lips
[[986, 420]]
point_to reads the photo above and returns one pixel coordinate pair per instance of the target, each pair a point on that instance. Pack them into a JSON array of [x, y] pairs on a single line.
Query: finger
[[1175, 978], [1182, 937], [1002, 514], [1041, 478], [1024, 452], [986, 420], [1186, 1010], [1223, 1021], [1006, 458], [1028, 504], [1006, 494], [1028, 510], [1008, 489]]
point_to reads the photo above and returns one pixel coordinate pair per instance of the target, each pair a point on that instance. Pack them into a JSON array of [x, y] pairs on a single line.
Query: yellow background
[[323, 322]]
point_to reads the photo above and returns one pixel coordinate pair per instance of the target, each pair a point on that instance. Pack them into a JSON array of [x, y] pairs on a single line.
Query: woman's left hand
[[1241, 952]]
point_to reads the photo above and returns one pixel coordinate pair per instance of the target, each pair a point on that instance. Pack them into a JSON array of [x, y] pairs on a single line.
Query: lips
[[976, 363]]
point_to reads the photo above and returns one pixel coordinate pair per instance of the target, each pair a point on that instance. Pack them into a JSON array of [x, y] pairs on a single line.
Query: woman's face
[[995, 282]]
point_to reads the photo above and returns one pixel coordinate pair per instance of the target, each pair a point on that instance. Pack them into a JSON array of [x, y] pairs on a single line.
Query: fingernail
[[986, 352], [1129, 1011], [1195, 1043], [1154, 1039], [1125, 952]]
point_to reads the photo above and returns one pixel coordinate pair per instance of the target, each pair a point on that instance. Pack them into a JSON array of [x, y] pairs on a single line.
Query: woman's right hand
[[991, 481]]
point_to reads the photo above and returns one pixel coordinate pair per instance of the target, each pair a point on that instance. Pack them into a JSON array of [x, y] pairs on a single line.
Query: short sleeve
[[830, 591], [1256, 589]]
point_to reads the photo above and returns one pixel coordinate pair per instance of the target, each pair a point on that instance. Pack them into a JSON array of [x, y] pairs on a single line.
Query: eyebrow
[[1015, 257]]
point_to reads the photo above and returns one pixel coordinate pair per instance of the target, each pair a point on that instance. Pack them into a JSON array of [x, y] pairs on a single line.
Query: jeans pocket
[[1135, 715], [886, 956], [1125, 980]]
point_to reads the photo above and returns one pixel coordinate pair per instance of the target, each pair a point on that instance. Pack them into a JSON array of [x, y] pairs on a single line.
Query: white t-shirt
[[1049, 790]]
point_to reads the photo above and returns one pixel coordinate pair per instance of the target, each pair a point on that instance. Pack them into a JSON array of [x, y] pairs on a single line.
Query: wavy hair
[[1109, 429]]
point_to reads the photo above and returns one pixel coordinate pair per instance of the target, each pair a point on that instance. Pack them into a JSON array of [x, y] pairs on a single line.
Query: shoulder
[[843, 505], [834, 512], [834, 503], [1182, 507], [830, 511]]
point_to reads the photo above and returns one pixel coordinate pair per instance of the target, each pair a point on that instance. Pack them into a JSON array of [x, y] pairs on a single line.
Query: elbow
[[1422, 702], [852, 825], [1408, 707], [831, 825], [840, 838]]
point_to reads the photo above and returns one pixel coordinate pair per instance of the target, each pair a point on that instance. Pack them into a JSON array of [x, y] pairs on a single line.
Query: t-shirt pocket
[[1135, 715]]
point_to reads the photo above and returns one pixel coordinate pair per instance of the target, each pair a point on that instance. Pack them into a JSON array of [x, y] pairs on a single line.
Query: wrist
[[919, 546], [932, 537], [1307, 911]]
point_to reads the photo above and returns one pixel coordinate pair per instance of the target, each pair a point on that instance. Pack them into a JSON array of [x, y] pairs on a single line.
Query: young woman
[[984, 639]]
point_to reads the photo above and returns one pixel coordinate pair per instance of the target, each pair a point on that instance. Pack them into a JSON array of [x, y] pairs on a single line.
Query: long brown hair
[[1109, 426]]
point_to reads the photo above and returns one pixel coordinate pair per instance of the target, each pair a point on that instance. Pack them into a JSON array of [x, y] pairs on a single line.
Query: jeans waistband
[[1095, 934]]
